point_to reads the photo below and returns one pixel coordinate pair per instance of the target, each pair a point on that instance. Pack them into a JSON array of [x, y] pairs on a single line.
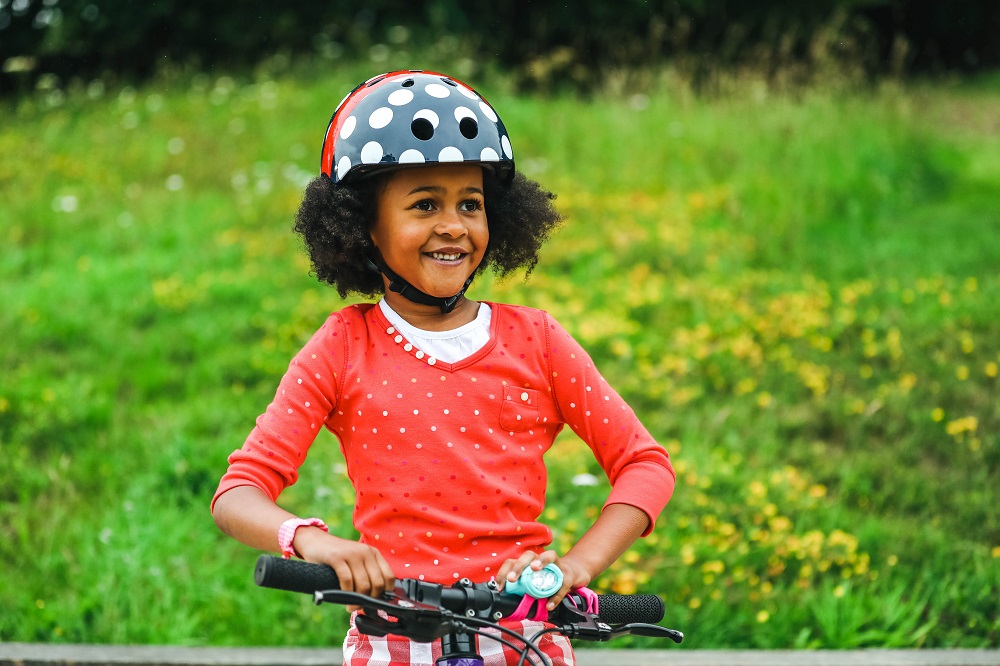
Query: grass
[[797, 292]]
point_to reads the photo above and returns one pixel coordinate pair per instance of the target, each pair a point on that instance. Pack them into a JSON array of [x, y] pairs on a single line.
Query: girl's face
[[431, 226]]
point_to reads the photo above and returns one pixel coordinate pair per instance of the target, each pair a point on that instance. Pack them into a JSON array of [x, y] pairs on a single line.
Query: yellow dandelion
[[713, 566], [995, 552], [763, 616], [937, 414], [624, 583], [991, 369], [958, 427], [962, 372], [839, 591], [695, 602], [968, 346]]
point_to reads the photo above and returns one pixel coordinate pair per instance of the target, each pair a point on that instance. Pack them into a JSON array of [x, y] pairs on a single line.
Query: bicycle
[[425, 612]]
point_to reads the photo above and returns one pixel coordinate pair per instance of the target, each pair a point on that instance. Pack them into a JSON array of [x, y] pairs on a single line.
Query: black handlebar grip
[[294, 575], [628, 608]]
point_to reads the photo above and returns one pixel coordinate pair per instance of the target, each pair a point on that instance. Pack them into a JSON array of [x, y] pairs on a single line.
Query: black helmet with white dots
[[408, 118]]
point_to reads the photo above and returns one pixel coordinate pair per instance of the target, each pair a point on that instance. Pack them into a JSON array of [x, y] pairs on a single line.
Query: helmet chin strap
[[400, 286]]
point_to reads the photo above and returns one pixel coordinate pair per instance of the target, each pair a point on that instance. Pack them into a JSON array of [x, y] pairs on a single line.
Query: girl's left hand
[[574, 574]]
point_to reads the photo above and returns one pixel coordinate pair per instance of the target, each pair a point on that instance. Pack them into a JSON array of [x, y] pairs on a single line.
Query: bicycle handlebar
[[428, 610]]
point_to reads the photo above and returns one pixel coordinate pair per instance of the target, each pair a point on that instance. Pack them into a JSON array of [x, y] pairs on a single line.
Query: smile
[[441, 256]]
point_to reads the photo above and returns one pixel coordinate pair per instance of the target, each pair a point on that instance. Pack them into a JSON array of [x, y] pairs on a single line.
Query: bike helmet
[[408, 118]]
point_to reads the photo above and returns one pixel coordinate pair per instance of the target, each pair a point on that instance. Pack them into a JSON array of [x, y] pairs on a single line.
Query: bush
[[544, 43]]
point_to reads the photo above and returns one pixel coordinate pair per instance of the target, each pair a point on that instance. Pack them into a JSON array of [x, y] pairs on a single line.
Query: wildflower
[[959, 427], [763, 616], [624, 583]]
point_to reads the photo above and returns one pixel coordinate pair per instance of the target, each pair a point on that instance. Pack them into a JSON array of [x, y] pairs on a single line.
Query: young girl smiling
[[443, 406]]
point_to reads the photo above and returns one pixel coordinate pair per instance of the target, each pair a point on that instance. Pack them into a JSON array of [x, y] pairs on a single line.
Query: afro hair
[[334, 221]]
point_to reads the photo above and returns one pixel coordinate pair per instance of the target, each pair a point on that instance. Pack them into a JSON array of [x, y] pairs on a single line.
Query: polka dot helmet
[[408, 118]]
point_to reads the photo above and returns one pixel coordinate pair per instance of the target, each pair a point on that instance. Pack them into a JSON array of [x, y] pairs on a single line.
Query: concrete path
[[33, 654]]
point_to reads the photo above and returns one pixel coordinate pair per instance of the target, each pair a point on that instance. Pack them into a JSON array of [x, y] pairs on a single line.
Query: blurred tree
[[545, 42]]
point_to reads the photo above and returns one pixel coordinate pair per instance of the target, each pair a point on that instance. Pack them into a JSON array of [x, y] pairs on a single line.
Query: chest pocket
[[520, 408]]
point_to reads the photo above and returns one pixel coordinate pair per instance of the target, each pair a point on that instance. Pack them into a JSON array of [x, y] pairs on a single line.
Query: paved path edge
[[59, 654]]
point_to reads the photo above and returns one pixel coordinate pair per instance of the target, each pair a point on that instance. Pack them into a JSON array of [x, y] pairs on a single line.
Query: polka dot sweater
[[447, 459]]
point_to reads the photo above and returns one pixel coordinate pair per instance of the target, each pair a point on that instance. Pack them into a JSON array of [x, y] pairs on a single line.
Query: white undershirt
[[448, 346]]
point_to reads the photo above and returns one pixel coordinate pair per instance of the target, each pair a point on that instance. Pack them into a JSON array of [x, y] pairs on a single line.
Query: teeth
[[445, 257]]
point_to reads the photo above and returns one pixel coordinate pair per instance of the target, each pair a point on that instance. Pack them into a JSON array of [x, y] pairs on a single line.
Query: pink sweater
[[446, 459]]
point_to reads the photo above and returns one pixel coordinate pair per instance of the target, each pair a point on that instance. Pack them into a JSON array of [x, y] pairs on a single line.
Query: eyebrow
[[440, 190]]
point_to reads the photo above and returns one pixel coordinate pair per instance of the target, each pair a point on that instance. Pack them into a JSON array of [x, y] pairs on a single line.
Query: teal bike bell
[[540, 584]]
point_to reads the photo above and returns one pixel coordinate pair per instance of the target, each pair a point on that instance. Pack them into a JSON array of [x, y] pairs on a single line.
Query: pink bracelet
[[286, 533]]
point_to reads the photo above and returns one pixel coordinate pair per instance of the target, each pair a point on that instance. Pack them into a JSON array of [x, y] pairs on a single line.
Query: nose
[[451, 224]]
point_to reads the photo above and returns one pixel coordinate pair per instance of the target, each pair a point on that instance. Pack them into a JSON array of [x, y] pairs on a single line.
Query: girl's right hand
[[359, 567]]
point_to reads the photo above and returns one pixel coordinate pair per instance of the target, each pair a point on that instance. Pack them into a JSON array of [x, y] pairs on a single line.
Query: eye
[[424, 204], [471, 205]]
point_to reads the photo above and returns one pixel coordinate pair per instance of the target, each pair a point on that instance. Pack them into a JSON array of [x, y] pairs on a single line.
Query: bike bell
[[540, 584]]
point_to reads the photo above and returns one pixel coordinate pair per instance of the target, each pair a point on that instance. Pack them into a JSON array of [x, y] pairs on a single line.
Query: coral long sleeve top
[[446, 459]]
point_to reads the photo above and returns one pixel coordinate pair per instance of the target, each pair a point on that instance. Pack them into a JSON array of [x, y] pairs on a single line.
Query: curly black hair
[[334, 221]]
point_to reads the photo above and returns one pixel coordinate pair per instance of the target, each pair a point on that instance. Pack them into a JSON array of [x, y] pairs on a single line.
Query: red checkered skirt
[[363, 650]]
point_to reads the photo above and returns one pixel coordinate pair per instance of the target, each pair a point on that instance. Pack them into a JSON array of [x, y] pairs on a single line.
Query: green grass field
[[799, 294]]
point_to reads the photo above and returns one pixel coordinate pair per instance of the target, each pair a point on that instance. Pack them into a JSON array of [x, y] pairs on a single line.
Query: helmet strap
[[400, 286]]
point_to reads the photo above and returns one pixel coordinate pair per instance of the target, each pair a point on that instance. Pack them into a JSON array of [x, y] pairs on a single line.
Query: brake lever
[[589, 627], [415, 620], [644, 629]]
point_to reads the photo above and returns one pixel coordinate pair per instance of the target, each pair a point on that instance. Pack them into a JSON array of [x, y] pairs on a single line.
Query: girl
[[443, 406]]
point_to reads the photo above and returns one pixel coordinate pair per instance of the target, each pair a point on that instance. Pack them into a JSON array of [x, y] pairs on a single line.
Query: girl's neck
[[430, 317]]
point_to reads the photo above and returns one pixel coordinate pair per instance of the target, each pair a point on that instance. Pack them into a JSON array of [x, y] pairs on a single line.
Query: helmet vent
[[423, 129], [468, 127], [408, 83]]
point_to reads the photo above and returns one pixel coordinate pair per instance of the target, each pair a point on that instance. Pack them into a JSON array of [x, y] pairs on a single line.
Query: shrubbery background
[[542, 43]]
